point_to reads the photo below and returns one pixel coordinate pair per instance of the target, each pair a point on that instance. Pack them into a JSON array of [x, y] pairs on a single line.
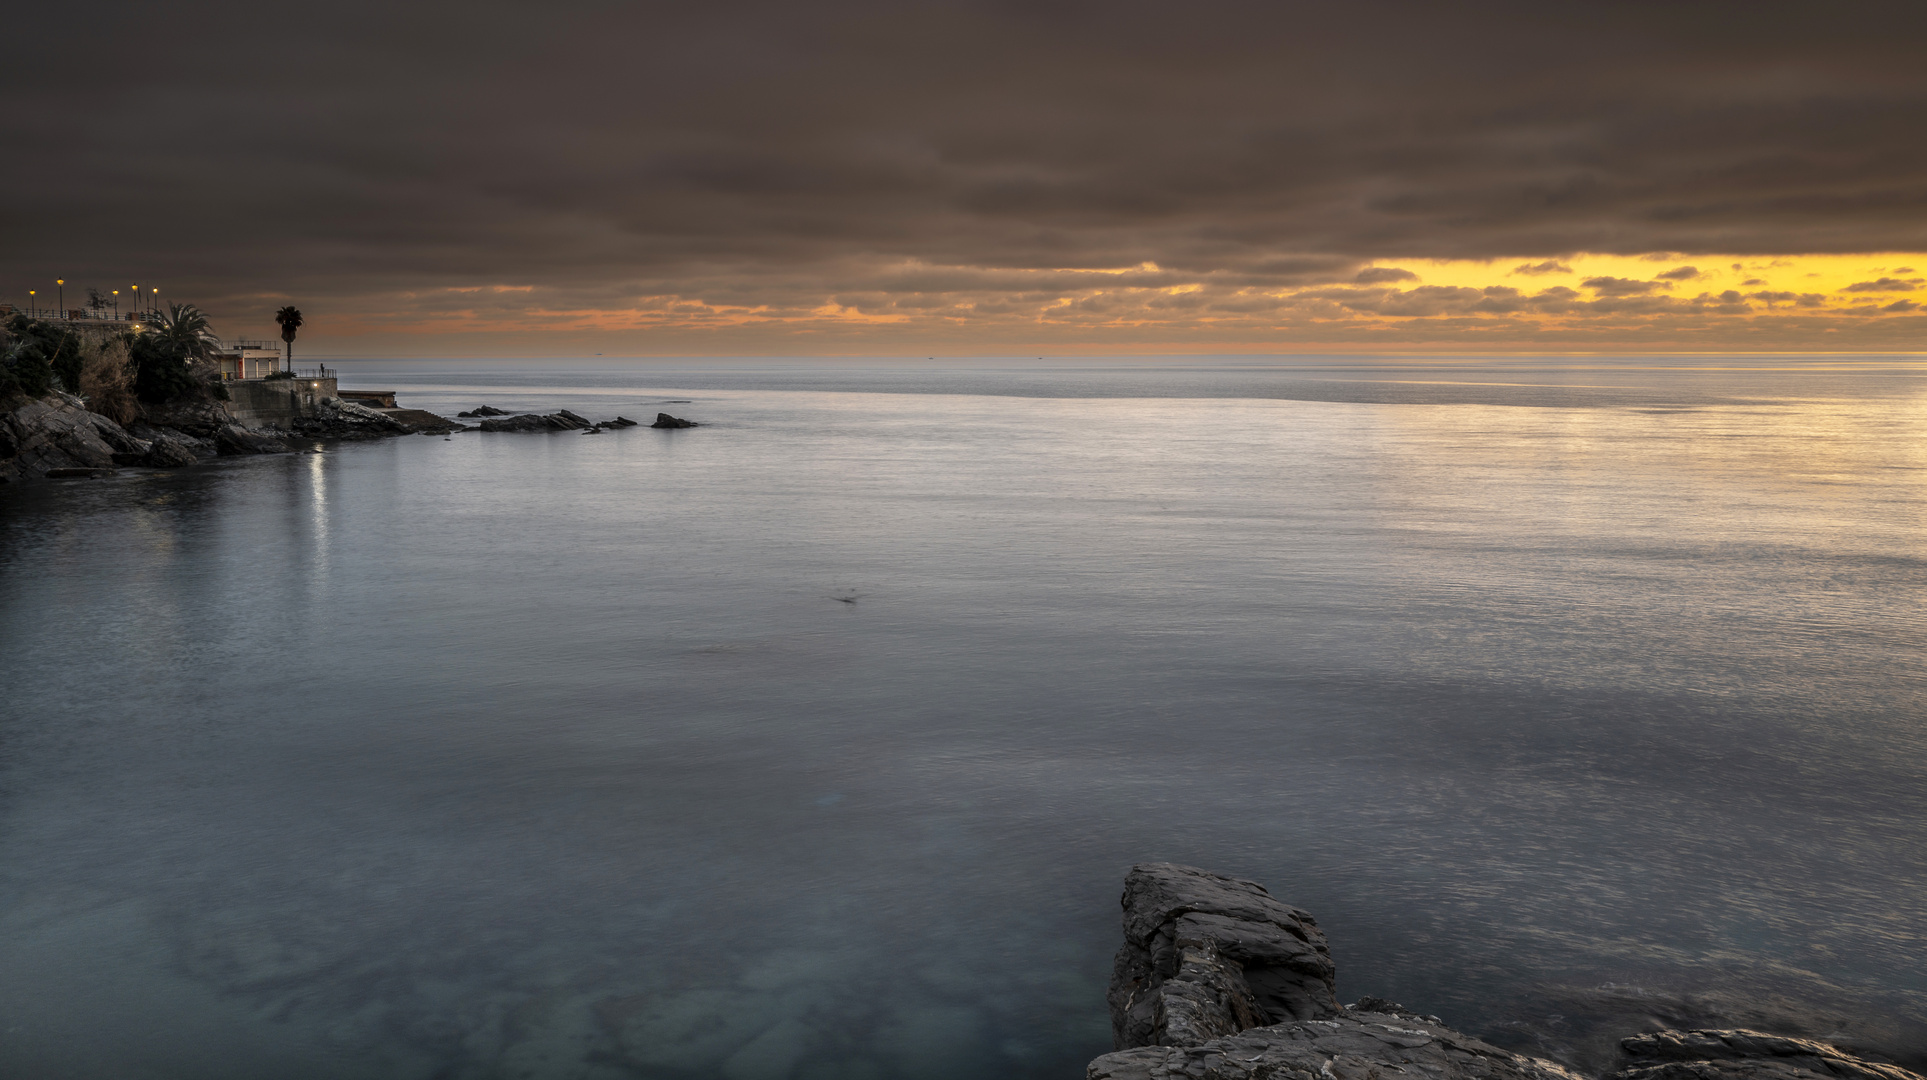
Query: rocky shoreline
[[57, 437], [1218, 980]]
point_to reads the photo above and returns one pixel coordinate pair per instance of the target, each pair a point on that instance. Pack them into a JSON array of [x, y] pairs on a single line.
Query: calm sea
[[814, 742]]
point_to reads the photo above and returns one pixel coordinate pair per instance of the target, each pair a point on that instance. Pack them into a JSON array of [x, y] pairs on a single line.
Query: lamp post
[[33, 307], [116, 305], [61, 285]]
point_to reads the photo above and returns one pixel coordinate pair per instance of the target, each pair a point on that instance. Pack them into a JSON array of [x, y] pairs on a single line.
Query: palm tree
[[290, 319], [184, 328]]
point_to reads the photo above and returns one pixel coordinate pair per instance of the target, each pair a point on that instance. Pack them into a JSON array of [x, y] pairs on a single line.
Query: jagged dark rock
[[1217, 980], [168, 453], [1207, 955], [235, 440], [338, 418], [664, 420], [482, 410], [1352, 1045], [622, 421], [200, 449], [555, 421], [423, 422], [1737, 1054], [57, 432], [199, 418], [39, 435]]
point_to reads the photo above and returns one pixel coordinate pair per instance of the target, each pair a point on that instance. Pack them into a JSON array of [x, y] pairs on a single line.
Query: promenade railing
[[74, 314]]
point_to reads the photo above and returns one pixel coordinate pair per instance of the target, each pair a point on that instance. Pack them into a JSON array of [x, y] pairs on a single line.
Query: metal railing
[[74, 314]]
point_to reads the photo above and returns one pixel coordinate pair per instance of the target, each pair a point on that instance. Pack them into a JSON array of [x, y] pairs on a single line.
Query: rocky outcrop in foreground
[[1219, 980], [665, 420], [56, 436]]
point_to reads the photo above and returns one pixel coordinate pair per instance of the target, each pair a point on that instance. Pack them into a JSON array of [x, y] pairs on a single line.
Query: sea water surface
[[1571, 696]]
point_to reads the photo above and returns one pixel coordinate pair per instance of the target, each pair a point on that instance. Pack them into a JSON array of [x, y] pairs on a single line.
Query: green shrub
[[30, 350], [161, 371]]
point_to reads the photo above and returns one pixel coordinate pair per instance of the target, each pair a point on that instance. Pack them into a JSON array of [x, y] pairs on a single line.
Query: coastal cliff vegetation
[[160, 362]]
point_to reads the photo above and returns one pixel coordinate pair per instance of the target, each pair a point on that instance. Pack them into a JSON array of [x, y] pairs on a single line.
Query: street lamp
[[116, 305], [33, 309], [62, 294]]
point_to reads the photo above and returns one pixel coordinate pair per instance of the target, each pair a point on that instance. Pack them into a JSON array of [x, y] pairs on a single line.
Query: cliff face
[[1218, 980]]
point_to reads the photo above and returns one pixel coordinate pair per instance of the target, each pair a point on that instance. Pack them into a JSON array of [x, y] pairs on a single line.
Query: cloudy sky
[[845, 177]]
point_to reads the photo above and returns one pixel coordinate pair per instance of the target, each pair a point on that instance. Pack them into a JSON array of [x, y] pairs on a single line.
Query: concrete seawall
[[275, 402]]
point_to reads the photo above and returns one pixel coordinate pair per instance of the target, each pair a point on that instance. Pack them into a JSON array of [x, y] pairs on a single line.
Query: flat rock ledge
[[1219, 980]]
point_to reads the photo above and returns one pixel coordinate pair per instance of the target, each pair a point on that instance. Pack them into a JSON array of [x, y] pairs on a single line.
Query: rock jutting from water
[[555, 421], [1219, 980], [481, 411], [664, 420]]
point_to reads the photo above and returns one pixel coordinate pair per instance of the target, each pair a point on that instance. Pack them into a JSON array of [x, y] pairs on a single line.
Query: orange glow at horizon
[[1575, 303]]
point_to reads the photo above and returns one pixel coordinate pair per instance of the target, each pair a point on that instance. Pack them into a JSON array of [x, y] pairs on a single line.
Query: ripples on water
[[1566, 695]]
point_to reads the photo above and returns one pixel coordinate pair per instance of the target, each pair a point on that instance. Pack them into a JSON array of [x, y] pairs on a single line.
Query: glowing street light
[[116, 305], [62, 294], [32, 307]]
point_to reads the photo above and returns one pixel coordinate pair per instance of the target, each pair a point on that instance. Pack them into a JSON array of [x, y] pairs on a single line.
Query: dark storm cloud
[[782, 154]]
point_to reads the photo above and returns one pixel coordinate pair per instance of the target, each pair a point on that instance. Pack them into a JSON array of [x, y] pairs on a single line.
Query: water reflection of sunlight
[[318, 546]]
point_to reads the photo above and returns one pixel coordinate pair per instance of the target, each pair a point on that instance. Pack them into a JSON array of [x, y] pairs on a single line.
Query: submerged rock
[[664, 420], [622, 421], [482, 410]]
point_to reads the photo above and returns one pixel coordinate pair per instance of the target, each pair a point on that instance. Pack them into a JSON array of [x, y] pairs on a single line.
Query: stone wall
[[277, 402]]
